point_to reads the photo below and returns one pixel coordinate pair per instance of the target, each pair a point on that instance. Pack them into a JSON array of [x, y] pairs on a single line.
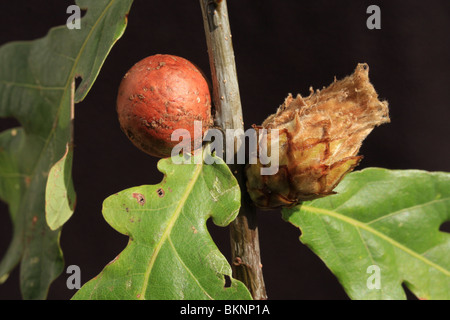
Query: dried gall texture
[[158, 95], [319, 139]]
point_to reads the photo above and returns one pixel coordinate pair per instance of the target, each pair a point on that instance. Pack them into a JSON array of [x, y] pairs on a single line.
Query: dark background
[[281, 47]]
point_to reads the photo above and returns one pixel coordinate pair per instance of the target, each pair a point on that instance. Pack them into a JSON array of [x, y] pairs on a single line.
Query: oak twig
[[244, 238]]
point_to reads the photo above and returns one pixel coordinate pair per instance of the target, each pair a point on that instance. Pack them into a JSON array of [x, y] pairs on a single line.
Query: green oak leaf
[[170, 254], [60, 193], [37, 88], [381, 231]]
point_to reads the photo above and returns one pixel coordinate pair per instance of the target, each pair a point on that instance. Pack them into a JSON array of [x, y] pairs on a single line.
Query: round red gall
[[158, 95]]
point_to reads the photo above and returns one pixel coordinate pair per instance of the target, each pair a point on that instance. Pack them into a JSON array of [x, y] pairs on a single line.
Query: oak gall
[[158, 95]]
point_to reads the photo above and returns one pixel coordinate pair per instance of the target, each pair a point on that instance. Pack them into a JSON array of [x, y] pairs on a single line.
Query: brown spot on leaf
[[160, 192], [140, 198]]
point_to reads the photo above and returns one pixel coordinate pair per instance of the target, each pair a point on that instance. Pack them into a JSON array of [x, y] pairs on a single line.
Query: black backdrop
[[281, 47]]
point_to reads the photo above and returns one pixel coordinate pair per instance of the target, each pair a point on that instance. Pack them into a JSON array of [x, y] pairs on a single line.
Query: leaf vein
[[169, 227], [376, 233]]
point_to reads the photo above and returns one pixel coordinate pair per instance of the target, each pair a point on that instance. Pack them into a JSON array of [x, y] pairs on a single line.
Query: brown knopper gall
[[319, 140]]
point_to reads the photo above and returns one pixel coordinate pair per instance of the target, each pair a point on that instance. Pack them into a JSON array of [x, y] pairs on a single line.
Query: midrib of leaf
[[375, 232], [169, 228], [69, 81]]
